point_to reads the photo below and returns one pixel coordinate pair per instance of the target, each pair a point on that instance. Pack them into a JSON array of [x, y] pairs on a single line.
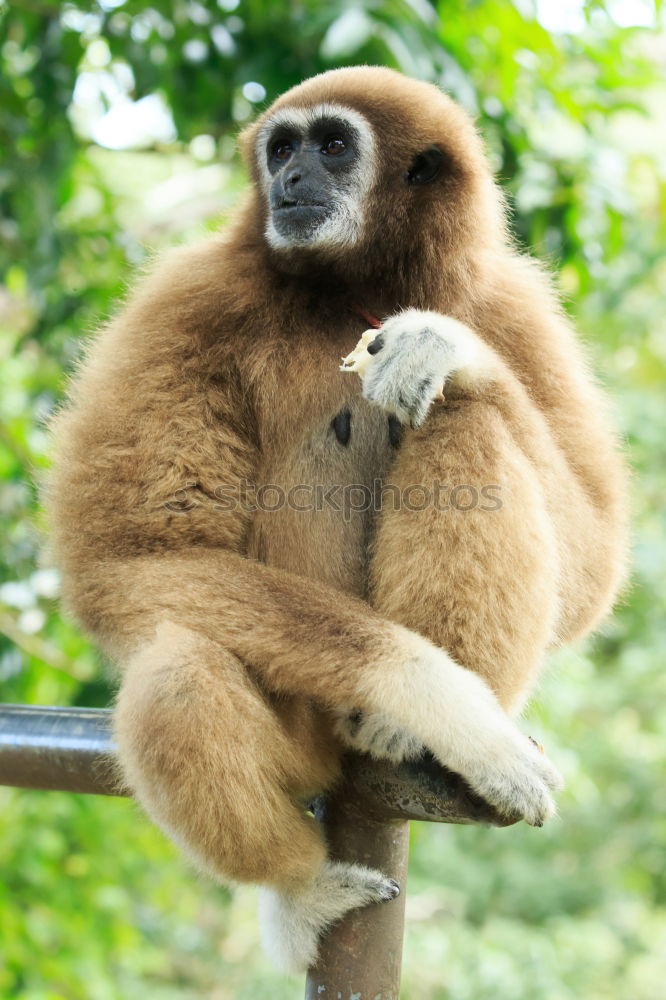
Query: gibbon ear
[[426, 166]]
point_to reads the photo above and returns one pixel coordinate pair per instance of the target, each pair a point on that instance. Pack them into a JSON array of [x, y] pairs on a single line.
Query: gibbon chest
[[325, 453]]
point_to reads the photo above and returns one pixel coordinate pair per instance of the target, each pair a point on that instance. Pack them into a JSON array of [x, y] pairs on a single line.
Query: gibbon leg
[[207, 758], [473, 565], [213, 765]]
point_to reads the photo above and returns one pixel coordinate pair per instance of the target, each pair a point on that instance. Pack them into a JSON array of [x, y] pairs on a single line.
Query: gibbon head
[[362, 168]]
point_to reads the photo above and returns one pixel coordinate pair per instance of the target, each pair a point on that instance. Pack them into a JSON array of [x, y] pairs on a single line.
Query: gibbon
[[259, 637]]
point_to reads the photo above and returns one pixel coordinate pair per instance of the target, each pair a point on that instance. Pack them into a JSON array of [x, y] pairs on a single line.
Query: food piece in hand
[[357, 360], [370, 344]]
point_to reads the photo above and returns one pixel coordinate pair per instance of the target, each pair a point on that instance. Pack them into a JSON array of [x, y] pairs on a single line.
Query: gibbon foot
[[378, 734], [404, 365], [518, 782], [292, 922]]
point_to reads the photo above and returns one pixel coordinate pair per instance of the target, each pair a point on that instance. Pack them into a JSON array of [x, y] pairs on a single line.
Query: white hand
[[405, 364], [453, 712]]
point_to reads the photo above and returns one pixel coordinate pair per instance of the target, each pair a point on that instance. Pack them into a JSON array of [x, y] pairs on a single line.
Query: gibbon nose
[[294, 177]]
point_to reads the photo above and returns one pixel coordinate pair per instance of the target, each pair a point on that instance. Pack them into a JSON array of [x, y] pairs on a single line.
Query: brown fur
[[235, 632]]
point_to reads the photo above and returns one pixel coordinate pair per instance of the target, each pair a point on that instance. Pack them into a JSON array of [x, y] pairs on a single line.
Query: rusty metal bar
[[420, 789], [366, 820], [362, 955]]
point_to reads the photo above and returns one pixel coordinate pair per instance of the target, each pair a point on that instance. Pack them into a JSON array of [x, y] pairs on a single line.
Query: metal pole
[[362, 956], [71, 750], [62, 749]]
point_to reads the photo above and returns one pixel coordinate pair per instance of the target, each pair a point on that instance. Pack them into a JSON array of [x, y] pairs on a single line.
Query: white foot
[[292, 923]]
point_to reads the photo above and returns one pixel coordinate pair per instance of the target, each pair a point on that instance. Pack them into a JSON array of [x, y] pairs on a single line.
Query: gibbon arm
[[494, 583]]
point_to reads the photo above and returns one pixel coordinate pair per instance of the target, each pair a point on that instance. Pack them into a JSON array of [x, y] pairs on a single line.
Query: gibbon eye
[[282, 150], [334, 146]]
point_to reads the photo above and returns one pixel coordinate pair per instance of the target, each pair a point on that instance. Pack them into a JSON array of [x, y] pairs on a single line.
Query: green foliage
[[95, 902]]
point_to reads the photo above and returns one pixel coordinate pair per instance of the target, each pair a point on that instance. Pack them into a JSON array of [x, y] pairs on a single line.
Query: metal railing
[[367, 820]]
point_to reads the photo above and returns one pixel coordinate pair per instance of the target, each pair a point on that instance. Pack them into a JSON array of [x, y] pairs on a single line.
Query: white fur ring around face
[[405, 364]]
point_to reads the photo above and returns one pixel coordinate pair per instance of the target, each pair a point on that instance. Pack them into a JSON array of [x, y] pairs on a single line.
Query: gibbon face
[[361, 166], [317, 166]]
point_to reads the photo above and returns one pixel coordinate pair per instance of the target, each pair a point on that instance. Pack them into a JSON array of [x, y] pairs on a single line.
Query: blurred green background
[[117, 126]]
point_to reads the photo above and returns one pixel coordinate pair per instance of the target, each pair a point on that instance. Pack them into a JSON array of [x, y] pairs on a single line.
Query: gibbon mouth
[[288, 203]]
